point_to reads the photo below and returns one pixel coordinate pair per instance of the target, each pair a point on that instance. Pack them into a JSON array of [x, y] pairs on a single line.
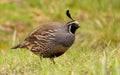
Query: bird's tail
[[21, 45]]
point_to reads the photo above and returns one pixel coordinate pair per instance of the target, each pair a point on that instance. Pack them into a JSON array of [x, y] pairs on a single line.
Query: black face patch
[[72, 27]]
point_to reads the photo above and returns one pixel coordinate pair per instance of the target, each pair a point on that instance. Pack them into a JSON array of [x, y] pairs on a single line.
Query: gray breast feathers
[[64, 39]]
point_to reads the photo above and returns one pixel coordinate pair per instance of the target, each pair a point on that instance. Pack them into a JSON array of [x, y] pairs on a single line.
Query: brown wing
[[39, 40], [45, 27]]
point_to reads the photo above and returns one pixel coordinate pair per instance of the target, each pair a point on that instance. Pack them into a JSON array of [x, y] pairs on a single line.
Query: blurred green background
[[96, 50]]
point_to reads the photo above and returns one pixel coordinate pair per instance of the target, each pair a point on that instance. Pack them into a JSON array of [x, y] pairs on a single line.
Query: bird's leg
[[52, 59], [40, 58]]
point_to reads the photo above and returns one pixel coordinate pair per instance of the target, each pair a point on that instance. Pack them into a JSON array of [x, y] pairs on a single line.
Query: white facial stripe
[[69, 29], [74, 22]]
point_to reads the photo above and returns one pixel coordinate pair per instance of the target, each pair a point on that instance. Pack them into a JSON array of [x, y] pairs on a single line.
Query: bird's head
[[72, 25]]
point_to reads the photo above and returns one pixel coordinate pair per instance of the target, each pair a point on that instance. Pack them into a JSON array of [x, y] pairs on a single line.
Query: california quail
[[52, 39]]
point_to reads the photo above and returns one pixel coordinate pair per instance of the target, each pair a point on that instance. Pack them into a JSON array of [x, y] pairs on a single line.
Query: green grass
[[96, 50]]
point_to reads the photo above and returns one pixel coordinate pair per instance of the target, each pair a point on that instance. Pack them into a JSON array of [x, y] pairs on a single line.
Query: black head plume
[[68, 14]]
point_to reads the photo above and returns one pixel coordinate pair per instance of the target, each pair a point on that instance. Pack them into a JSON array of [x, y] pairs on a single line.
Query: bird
[[52, 39]]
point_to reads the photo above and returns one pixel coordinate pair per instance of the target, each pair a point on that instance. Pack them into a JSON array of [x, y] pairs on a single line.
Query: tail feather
[[21, 45], [15, 47]]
